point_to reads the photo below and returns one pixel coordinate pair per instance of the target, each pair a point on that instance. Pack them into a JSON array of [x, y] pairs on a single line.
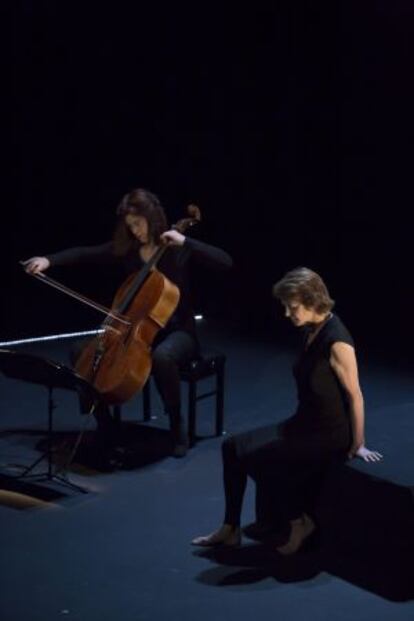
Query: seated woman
[[328, 426], [141, 230]]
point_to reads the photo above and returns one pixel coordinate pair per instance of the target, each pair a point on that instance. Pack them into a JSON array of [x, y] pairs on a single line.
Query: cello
[[117, 362]]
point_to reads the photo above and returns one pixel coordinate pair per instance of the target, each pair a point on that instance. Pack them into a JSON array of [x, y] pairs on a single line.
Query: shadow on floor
[[366, 538], [79, 452], [21, 495]]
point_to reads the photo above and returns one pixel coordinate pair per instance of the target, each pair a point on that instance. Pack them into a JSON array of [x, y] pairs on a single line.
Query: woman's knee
[[162, 360]]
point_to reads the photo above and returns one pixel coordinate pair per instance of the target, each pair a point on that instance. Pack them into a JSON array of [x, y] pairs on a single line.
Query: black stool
[[209, 364]]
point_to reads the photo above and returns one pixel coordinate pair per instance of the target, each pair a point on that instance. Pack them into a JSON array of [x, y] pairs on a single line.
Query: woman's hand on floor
[[363, 453]]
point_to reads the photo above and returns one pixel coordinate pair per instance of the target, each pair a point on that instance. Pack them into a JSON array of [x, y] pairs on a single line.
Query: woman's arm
[[344, 363], [82, 254], [204, 253], [103, 253], [209, 255]]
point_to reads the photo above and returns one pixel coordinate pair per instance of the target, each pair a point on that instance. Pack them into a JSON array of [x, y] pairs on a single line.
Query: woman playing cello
[[140, 231]]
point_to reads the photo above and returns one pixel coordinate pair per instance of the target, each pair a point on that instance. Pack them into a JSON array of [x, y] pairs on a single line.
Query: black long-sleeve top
[[174, 264]]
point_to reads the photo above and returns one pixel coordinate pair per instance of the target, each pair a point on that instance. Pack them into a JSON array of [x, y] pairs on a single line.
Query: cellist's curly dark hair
[[139, 202]]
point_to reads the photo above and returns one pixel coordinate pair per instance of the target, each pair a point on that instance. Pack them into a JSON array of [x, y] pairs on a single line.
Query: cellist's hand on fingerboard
[[173, 238]]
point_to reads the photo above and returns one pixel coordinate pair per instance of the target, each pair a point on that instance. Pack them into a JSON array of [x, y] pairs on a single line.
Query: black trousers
[[170, 352], [290, 467]]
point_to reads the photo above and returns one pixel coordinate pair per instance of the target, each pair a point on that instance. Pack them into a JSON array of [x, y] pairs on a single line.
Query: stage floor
[[121, 551]]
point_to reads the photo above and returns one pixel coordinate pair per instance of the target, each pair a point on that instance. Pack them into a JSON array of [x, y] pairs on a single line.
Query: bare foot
[[300, 530], [226, 535]]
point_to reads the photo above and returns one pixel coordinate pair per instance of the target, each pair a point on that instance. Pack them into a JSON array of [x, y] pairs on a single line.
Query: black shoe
[[104, 462], [180, 448]]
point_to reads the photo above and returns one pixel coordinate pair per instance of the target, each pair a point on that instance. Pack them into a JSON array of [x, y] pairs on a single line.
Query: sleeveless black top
[[322, 402]]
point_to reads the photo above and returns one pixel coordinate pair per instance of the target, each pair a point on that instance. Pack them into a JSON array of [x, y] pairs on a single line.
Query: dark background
[[289, 124]]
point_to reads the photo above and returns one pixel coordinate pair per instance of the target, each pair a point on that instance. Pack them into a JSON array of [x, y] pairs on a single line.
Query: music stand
[[37, 370]]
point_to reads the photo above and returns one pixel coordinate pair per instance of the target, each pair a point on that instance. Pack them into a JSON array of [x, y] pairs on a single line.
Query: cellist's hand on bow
[[173, 238], [35, 265]]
